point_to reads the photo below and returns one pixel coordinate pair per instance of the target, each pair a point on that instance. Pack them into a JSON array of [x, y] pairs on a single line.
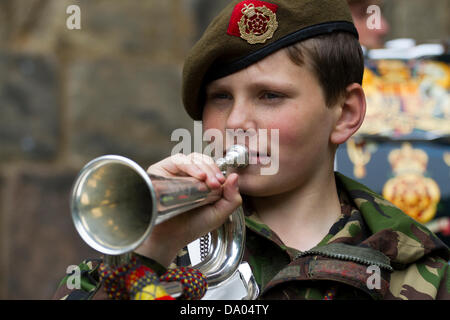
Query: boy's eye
[[219, 96], [268, 95]]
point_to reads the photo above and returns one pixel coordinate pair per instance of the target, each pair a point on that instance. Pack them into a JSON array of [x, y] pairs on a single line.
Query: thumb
[[231, 198]]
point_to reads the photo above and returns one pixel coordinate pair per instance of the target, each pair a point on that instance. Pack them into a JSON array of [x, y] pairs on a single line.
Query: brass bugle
[[115, 204]]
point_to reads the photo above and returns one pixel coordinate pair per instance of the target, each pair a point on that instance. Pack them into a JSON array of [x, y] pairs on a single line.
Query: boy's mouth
[[255, 157]]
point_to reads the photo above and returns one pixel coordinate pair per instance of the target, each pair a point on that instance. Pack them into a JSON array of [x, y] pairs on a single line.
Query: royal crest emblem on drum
[[410, 190]]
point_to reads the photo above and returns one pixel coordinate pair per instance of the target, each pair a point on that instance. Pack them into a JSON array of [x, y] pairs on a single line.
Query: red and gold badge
[[253, 21]]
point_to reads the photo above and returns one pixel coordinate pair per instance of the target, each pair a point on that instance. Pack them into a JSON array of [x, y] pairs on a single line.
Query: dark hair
[[336, 59]]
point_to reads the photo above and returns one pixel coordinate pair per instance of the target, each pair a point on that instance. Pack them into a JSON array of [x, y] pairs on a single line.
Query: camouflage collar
[[370, 221], [316, 271], [342, 251], [370, 232]]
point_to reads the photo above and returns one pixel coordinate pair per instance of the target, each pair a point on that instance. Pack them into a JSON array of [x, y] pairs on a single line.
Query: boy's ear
[[350, 114]]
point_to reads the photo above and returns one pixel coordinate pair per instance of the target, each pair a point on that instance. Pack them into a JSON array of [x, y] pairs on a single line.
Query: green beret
[[248, 31]]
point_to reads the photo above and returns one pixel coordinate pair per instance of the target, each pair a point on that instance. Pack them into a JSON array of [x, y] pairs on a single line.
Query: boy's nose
[[241, 116]]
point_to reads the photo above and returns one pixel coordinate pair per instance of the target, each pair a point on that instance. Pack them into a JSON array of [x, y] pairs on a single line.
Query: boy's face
[[275, 94]]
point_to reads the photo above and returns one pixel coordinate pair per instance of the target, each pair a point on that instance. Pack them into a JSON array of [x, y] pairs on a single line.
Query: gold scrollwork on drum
[[446, 158], [359, 154], [406, 96]]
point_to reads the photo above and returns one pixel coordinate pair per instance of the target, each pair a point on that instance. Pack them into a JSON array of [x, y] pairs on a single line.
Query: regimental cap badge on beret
[[253, 21]]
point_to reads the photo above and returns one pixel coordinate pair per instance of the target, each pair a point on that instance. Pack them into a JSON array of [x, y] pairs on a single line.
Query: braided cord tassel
[[192, 280], [138, 282], [113, 279], [143, 284], [132, 281]]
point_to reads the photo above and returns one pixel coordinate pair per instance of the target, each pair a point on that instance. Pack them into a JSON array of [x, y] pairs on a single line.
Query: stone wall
[[67, 96], [421, 20]]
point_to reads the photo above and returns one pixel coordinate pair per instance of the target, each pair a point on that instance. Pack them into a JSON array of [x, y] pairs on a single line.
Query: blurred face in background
[[368, 36]]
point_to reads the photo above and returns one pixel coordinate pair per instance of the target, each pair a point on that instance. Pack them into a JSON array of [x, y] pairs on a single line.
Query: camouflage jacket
[[373, 251]]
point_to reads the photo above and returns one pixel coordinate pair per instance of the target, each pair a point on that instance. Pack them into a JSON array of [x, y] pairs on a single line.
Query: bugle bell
[[115, 204]]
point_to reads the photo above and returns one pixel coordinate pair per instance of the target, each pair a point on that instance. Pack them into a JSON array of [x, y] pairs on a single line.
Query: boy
[[295, 68]]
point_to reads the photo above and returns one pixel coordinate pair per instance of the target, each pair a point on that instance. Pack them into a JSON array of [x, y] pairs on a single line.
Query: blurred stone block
[[417, 19], [157, 29], [126, 108], [204, 12], [41, 238], [31, 25], [28, 107]]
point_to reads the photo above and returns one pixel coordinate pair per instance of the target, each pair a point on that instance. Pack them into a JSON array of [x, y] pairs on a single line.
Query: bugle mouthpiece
[[236, 157]]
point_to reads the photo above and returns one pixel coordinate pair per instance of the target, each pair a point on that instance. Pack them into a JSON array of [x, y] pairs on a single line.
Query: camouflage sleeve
[[444, 288], [81, 283], [427, 279]]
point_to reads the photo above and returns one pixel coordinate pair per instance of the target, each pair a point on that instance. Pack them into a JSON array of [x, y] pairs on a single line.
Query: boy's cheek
[[288, 135]]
